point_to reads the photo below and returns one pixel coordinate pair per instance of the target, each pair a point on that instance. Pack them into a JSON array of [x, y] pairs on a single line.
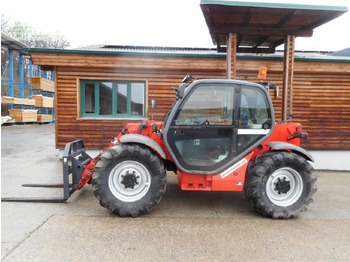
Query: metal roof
[[13, 44], [155, 51], [151, 49], [261, 27]]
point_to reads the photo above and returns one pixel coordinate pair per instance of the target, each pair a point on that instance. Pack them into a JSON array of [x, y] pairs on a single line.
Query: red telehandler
[[219, 135]]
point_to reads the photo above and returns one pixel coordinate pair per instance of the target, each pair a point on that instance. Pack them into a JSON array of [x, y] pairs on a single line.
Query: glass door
[[201, 133]]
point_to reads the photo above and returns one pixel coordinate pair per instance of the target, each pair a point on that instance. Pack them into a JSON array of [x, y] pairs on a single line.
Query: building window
[[113, 99]]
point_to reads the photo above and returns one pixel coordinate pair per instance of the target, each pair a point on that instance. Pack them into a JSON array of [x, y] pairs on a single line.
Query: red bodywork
[[231, 179]]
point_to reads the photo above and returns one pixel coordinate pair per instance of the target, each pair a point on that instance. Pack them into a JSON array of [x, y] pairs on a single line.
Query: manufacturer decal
[[233, 168]]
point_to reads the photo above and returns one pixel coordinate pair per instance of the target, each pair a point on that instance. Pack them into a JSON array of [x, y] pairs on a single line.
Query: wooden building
[[321, 89], [99, 90]]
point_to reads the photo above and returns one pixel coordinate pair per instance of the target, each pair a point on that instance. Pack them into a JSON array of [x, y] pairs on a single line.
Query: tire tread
[[101, 188], [261, 168]]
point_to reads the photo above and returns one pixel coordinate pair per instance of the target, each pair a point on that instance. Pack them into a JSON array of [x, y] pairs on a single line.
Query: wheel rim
[[284, 187], [129, 181]]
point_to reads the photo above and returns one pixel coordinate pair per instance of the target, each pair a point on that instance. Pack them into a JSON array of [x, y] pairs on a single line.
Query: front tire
[[280, 184], [129, 180]]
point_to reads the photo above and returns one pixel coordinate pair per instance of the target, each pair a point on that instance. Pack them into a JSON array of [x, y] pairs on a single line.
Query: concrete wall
[[331, 160]]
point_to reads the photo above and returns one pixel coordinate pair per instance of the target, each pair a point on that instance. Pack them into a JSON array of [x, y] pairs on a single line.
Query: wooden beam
[[231, 57], [280, 24], [208, 15], [221, 49], [288, 69], [260, 31], [257, 50], [239, 40], [246, 23], [248, 50], [217, 40], [248, 17], [285, 20], [279, 42]]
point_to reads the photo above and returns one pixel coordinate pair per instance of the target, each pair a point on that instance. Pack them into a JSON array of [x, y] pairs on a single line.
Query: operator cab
[[216, 123]]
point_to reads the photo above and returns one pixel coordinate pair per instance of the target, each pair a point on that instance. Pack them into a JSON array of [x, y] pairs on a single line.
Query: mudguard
[[140, 139], [297, 149]]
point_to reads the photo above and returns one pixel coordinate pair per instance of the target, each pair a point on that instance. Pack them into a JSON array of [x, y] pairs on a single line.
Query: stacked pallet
[[43, 84], [20, 115], [24, 115], [43, 101], [39, 101], [44, 118], [28, 115]]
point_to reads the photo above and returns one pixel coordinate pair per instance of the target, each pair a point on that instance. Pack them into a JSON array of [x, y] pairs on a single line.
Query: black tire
[[280, 184], [129, 180]]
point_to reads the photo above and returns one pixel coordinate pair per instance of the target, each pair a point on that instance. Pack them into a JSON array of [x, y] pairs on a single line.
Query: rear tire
[[280, 184], [129, 180]]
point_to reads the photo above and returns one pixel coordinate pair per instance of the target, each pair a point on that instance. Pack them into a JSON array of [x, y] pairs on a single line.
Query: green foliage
[[30, 37]]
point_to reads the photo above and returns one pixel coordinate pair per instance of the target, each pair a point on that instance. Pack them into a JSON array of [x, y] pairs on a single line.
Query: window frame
[[114, 114]]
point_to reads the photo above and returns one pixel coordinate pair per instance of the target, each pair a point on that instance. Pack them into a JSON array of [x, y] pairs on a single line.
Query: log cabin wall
[[321, 91]]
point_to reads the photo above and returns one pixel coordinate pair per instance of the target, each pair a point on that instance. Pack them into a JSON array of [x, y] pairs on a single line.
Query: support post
[[231, 56], [46, 109], [30, 76], [39, 91], [11, 75], [30, 68], [288, 68], [53, 95], [21, 78], [53, 109], [38, 69]]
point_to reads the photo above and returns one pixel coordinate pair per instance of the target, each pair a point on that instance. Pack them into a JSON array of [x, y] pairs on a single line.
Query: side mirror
[[153, 104]]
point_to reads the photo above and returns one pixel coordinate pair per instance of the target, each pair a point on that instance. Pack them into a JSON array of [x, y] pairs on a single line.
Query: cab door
[[204, 132]]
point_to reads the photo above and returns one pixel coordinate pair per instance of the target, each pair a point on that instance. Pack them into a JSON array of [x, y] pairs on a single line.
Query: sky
[[171, 23]]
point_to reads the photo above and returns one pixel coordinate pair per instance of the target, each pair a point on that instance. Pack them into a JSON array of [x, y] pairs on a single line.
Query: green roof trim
[[159, 54], [275, 5], [130, 53]]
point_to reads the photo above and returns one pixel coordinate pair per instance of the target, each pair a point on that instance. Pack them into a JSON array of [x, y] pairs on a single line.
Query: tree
[[30, 37]]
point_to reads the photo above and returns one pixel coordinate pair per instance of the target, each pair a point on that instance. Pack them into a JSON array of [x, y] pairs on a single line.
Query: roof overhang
[[261, 27], [13, 44]]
